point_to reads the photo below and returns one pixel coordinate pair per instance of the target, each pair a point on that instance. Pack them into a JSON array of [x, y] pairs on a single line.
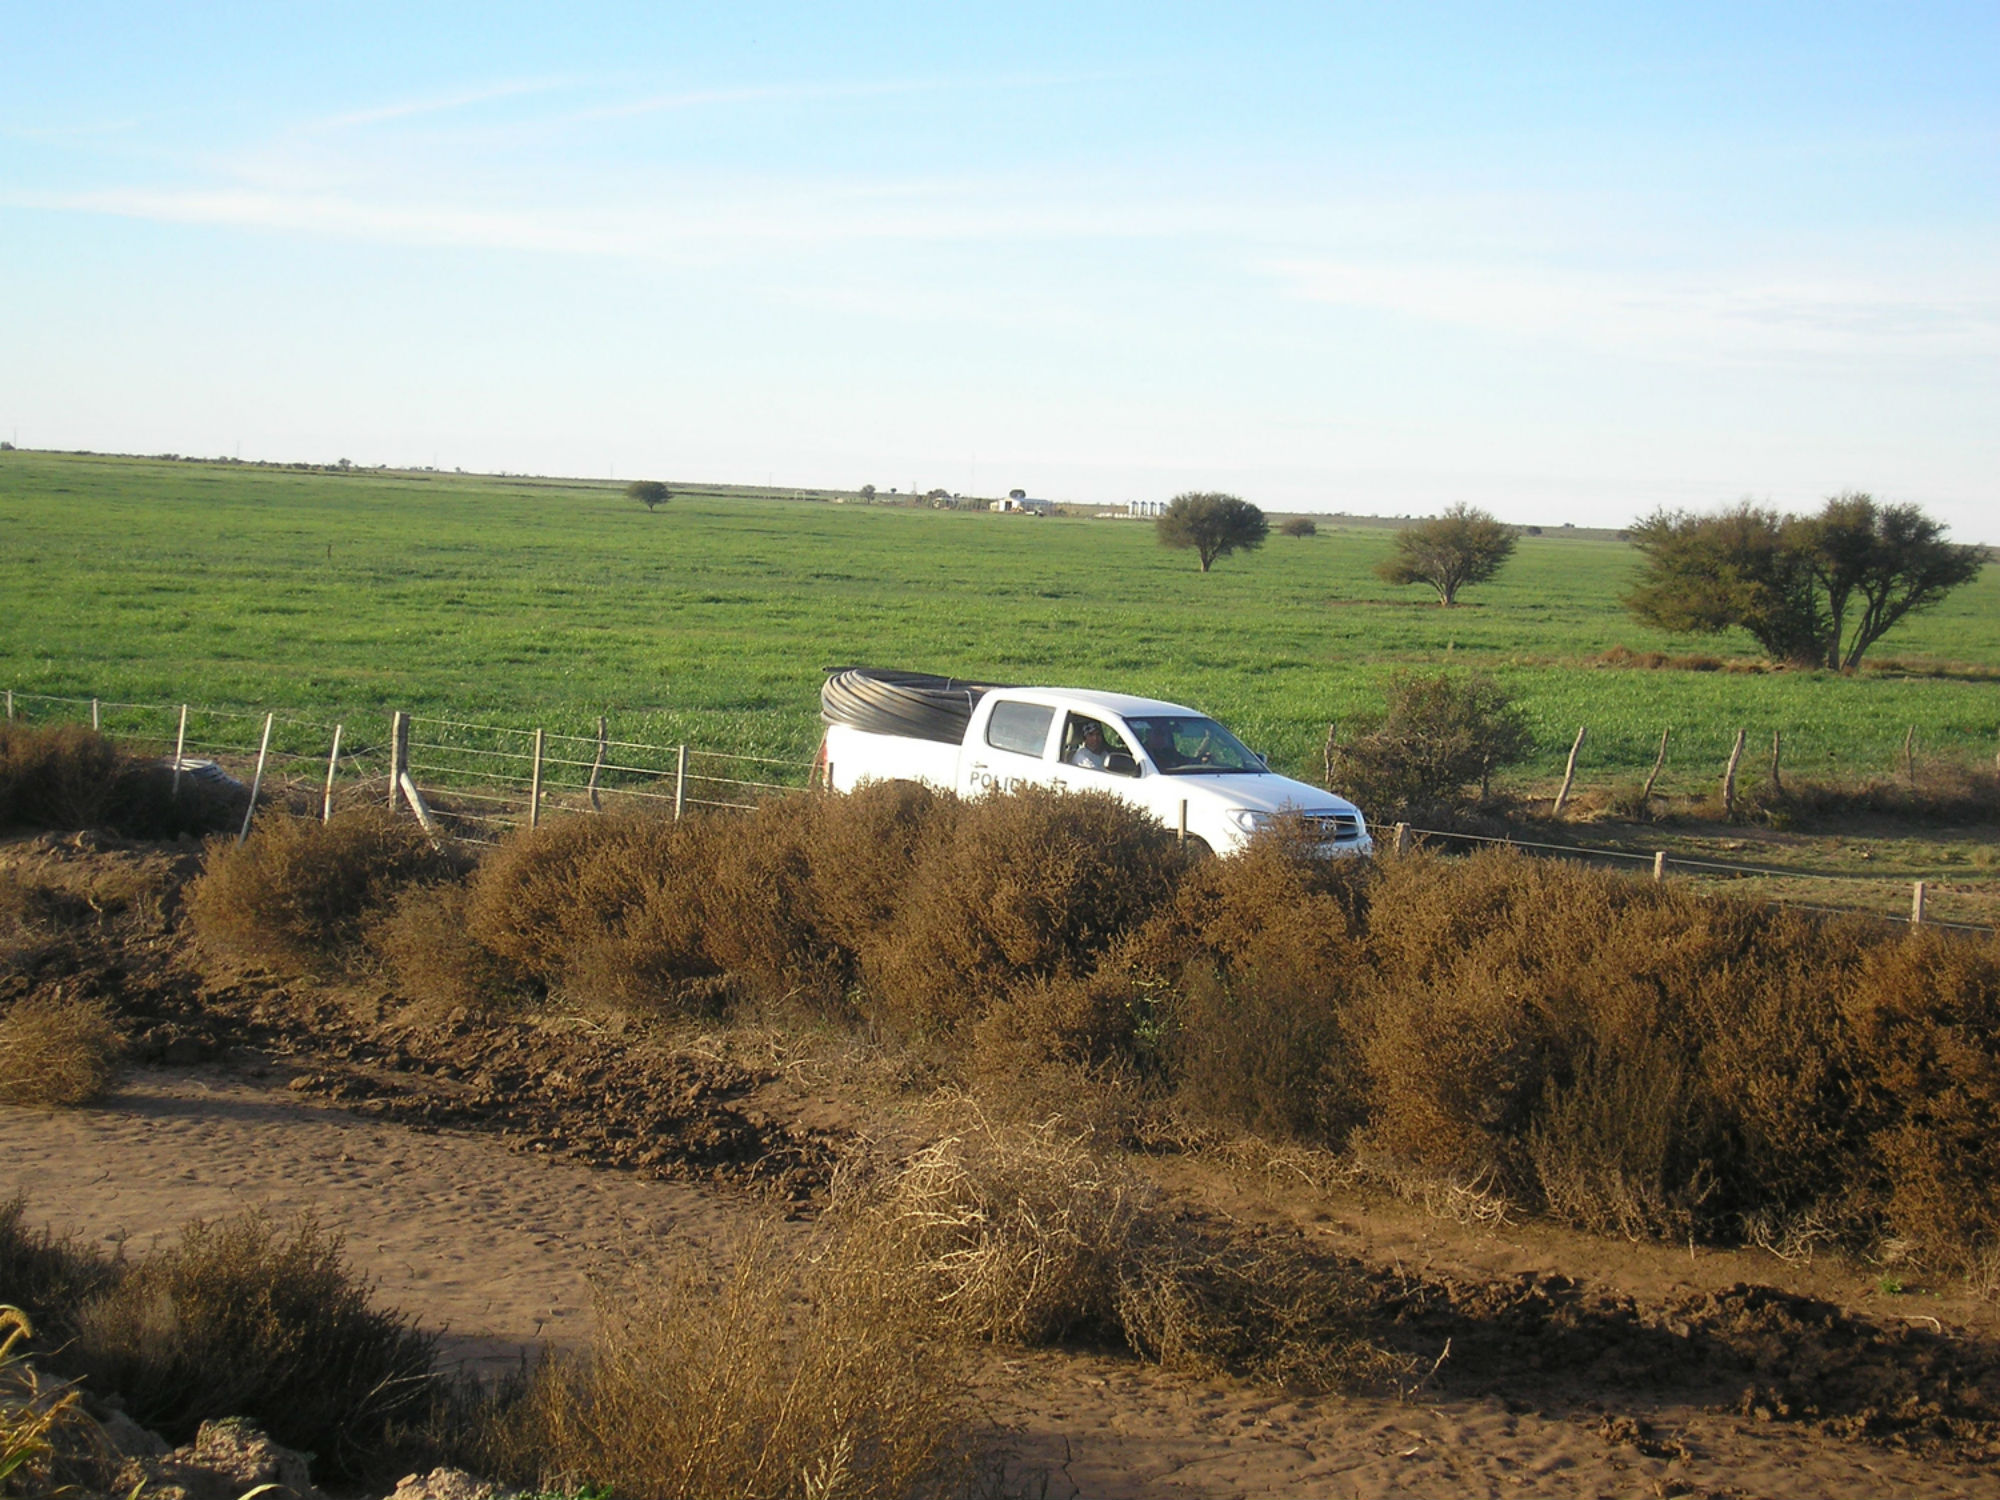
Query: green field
[[525, 602]]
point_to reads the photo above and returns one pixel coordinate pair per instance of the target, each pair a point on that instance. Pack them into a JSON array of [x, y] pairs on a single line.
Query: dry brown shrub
[[58, 1050], [609, 909], [866, 847], [787, 1376], [1028, 886], [241, 1318], [762, 922], [439, 967], [65, 776], [1268, 1056], [299, 895], [1925, 1016], [51, 1276]]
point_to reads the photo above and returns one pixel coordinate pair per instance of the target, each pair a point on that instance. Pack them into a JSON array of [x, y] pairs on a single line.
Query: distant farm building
[[1021, 505]]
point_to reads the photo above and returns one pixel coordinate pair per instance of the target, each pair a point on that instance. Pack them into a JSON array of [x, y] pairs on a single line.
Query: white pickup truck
[[971, 738]]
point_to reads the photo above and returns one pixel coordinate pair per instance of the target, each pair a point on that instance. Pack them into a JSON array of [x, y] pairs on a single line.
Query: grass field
[[524, 602]]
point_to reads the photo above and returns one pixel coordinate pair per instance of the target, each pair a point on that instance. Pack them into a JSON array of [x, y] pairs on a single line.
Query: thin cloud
[[437, 104]]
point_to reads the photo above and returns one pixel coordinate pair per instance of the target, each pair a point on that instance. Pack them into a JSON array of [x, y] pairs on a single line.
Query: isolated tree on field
[[1299, 526], [867, 492], [1436, 738], [1214, 525], [1463, 546], [1816, 591], [649, 493]]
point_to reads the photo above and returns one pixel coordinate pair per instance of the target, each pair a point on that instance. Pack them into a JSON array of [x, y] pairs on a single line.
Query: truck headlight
[[1249, 819]]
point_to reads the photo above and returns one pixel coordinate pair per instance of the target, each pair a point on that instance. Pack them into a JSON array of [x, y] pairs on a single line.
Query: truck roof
[[1124, 705]]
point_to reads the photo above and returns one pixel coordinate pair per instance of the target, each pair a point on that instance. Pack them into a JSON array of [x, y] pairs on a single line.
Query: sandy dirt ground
[[495, 1242]]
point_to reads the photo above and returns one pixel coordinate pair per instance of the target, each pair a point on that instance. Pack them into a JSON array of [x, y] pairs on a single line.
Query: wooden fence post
[[1729, 775], [97, 721], [1777, 785], [597, 766], [1910, 757], [1659, 865], [680, 779], [408, 787], [399, 753], [1402, 844], [1659, 761], [180, 750], [1569, 773], [1325, 757], [332, 768], [1917, 904], [256, 781], [535, 786], [10, 709], [1180, 832]]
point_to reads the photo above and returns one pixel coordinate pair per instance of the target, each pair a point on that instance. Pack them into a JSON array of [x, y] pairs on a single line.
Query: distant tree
[[1816, 591], [1214, 525], [649, 493], [867, 492], [1463, 546], [1299, 526]]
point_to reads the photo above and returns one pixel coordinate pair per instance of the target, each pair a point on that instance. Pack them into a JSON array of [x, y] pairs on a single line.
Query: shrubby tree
[[649, 493], [1299, 526], [1816, 591], [1436, 738], [1463, 546], [1213, 525]]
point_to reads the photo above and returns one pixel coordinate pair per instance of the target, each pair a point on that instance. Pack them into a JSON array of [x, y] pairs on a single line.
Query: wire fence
[[473, 781], [477, 781]]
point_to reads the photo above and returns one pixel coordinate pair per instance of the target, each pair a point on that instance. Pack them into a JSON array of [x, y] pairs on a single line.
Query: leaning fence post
[[535, 786], [680, 779], [408, 787], [1569, 773], [1917, 904], [597, 766], [180, 750], [1659, 864], [256, 781], [399, 753], [332, 765], [1729, 774], [1660, 760]]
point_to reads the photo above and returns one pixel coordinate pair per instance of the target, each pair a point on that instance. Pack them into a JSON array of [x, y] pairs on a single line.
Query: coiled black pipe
[[916, 705]]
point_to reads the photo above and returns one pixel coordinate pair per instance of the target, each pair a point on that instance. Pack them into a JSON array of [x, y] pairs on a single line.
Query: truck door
[[1011, 750]]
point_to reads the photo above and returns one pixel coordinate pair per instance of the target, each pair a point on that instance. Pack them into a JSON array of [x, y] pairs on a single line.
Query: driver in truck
[[1092, 753]]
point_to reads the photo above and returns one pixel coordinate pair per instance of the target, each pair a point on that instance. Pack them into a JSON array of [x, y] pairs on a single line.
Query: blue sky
[[1567, 263]]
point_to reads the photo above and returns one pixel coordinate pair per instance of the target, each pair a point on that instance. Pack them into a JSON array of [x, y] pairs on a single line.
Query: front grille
[[1339, 828]]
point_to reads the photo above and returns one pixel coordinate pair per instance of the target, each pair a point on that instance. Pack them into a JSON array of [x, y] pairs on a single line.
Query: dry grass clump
[[244, 1319], [1947, 792], [47, 1275], [785, 1376], [59, 1050], [299, 895], [1013, 1234], [65, 776], [1023, 1234]]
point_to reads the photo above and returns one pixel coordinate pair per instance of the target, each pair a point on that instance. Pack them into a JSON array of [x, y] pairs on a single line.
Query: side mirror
[[1118, 763]]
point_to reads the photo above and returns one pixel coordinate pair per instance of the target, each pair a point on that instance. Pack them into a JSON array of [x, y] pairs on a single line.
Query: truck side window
[[1020, 727]]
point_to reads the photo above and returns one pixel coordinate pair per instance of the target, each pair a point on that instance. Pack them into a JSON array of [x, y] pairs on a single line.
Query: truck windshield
[[1192, 746]]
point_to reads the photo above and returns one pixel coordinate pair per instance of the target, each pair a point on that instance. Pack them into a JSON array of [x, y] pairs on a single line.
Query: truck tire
[[914, 705]]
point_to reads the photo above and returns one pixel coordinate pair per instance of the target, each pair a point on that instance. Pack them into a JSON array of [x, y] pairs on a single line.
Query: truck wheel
[[1198, 851]]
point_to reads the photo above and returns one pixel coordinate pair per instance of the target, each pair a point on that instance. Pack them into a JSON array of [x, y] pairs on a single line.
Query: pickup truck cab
[[1174, 762]]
